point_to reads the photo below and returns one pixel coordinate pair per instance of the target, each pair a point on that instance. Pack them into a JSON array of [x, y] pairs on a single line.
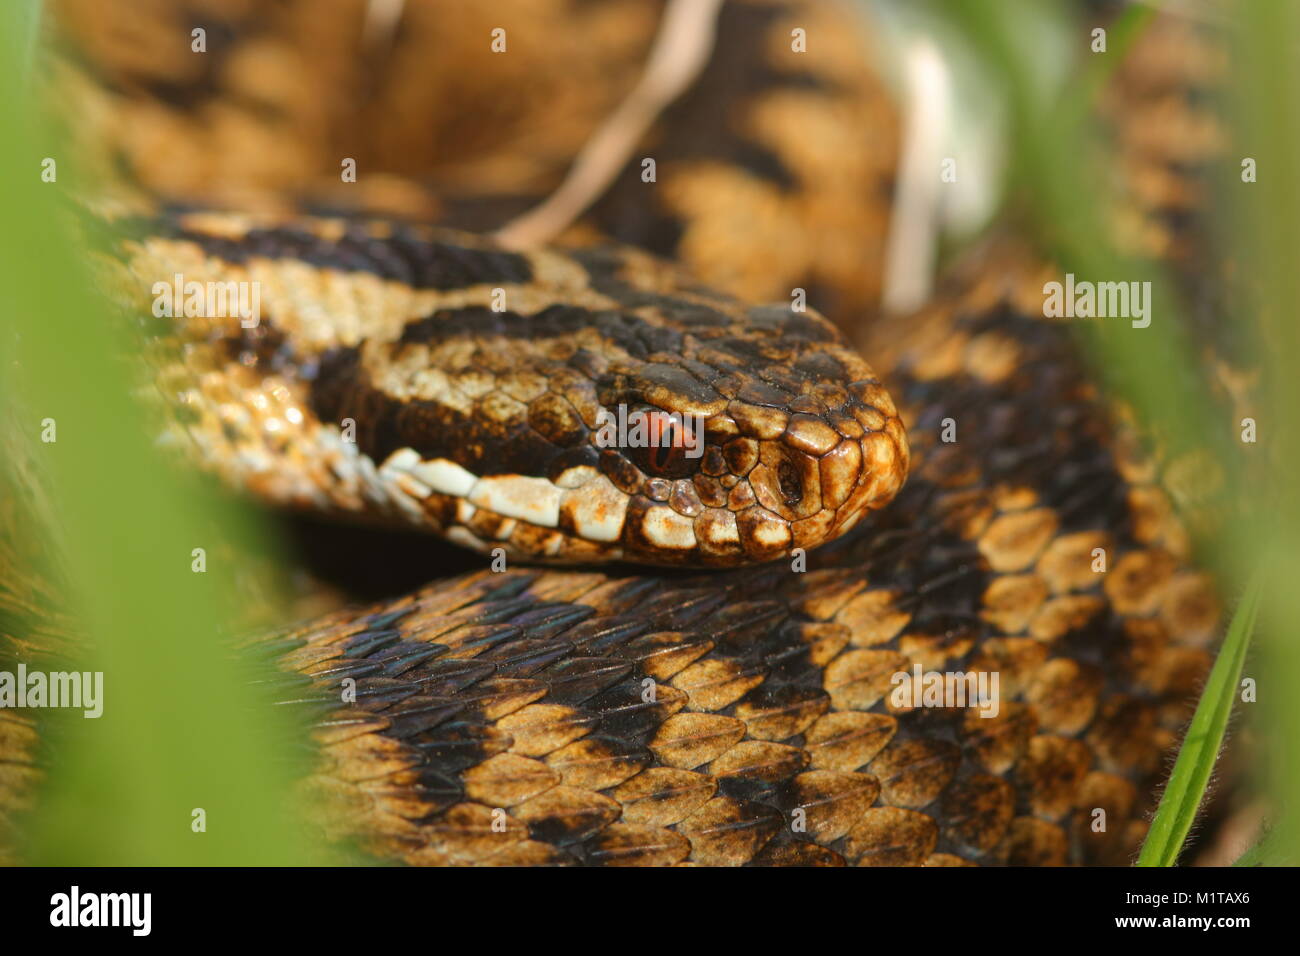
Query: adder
[[939, 510]]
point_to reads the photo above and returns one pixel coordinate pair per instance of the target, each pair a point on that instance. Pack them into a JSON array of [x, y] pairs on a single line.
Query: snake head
[[757, 437], [611, 410], [675, 434]]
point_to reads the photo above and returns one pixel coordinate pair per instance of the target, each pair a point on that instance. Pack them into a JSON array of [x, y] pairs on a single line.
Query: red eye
[[668, 450], [669, 446]]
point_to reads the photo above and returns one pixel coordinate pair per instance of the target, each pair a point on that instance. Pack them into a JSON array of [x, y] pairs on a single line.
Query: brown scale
[[746, 717], [520, 698], [548, 717], [34, 628], [391, 328], [285, 90], [1169, 119], [445, 130], [1170, 135]]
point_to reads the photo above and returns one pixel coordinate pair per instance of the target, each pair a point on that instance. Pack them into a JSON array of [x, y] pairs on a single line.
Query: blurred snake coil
[[699, 702]]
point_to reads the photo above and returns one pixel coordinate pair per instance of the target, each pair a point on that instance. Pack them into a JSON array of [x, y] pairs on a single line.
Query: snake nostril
[[790, 483]]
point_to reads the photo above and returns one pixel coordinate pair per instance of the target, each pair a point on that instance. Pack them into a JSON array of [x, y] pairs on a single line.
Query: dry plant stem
[[381, 21], [914, 233], [680, 51]]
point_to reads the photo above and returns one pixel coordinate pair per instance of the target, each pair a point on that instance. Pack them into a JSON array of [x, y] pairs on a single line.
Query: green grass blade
[[1200, 749], [1122, 33], [1252, 857], [1263, 853], [184, 727], [26, 35]]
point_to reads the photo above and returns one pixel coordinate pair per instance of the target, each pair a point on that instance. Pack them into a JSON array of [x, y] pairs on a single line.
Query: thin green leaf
[[184, 727], [1196, 758], [1259, 854], [1124, 31]]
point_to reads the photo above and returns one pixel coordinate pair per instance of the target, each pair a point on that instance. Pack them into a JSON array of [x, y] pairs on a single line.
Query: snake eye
[[670, 448], [664, 458]]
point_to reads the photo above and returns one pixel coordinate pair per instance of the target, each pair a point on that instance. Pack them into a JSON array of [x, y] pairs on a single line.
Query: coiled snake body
[[743, 714]]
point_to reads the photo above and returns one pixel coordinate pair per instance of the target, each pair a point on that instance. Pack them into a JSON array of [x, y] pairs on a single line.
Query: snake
[[687, 649]]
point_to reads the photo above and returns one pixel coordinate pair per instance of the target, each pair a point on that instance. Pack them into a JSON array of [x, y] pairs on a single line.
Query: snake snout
[[823, 472]]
